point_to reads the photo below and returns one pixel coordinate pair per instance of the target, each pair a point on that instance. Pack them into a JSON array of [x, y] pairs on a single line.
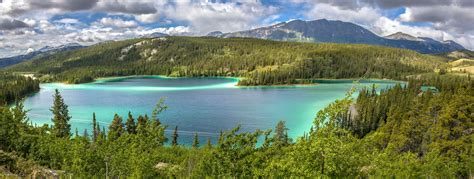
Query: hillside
[[458, 54], [262, 62], [45, 51], [323, 30]]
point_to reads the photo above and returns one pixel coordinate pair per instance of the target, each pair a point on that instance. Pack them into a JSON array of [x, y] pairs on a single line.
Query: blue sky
[[27, 25]]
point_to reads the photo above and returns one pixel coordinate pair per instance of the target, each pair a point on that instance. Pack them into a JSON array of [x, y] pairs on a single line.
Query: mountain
[[259, 62], [42, 52], [215, 34], [343, 32], [402, 36]]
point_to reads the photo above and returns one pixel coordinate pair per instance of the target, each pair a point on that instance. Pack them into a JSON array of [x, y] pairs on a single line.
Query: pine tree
[[281, 134], [221, 137], [160, 107], [209, 144], [175, 137], [116, 128], [130, 124], [95, 130], [196, 140], [85, 134], [61, 126]]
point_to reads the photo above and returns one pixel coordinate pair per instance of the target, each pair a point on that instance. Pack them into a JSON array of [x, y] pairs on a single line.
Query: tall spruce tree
[[95, 130], [209, 144], [196, 140], [116, 128], [174, 142], [61, 126], [130, 124], [85, 134], [280, 137]]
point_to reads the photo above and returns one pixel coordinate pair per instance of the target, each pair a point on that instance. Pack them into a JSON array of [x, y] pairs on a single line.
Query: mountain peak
[[214, 34], [402, 36]]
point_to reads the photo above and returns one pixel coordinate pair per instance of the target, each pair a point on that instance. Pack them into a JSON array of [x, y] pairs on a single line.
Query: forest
[[405, 131], [14, 87], [258, 62]]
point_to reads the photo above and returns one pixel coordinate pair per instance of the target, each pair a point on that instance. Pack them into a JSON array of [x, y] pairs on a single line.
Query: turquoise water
[[203, 105]]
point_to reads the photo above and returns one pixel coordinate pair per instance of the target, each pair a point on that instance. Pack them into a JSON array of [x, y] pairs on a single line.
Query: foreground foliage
[[403, 131]]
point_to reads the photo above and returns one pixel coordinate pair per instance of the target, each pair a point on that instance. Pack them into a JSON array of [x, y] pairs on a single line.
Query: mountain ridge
[[335, 31], [44, 51]]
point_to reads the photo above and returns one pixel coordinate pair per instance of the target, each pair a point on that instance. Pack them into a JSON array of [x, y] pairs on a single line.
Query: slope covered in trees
[[404, 131], [13, 87], [260, 62]]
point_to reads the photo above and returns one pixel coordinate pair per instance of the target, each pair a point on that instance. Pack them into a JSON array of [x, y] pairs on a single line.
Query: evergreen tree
[[196, 140], [85, 134], [159, 108], [116, 128], [174, 142], [130, 124], [221, 137], [209, 144], [280, 138], [95, 128], [61, 126]]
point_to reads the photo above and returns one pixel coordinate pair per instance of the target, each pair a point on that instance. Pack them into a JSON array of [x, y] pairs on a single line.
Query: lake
[[202, 105]]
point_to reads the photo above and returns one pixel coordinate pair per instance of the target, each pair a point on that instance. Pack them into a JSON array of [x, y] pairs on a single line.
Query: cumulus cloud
[[210, 16], [127, 6], [116, 22], [452, 18], [178, 30], [364, 15], [67, 5], [68, 21], [423, 3]]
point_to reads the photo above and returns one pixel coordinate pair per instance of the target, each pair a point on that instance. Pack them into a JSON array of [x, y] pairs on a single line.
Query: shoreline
[[315, 81]]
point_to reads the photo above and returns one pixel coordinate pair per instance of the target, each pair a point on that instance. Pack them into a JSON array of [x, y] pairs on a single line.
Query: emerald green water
[[203, 105]]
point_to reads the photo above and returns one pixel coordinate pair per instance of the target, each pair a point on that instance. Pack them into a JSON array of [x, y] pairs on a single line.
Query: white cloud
[[204, 17], [450, 18], [116, 22], [30, 50], [68, 21], [54, 34], [364, 15], [178, 30]]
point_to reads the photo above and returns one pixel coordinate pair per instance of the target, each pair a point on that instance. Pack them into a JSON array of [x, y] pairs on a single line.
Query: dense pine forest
[[13, 87], [406, 131], [259, 62]]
